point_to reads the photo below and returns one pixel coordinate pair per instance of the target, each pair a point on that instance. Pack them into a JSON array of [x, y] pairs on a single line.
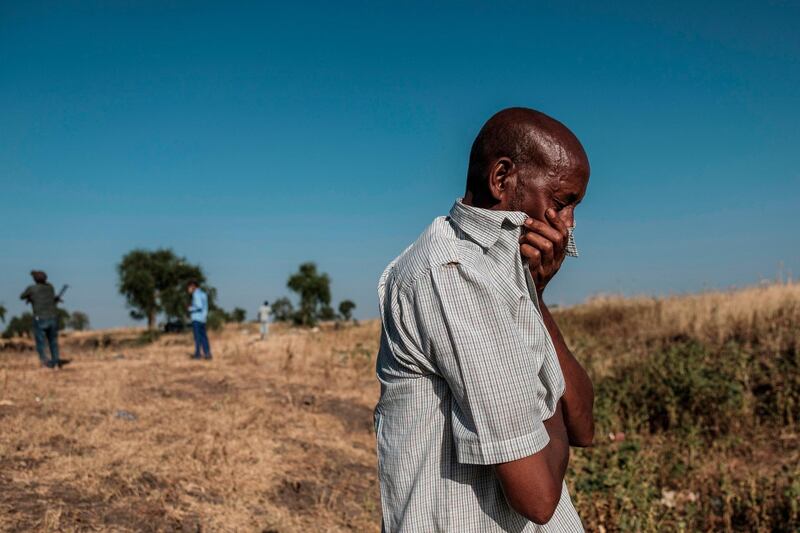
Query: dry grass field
[[269, 436], [698, 401]]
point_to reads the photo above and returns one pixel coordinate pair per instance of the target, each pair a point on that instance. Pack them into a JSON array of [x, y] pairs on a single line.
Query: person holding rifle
[[44, 300]]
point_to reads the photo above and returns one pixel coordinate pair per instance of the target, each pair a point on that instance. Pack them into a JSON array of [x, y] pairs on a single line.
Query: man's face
[[562, 189], [190, 289]]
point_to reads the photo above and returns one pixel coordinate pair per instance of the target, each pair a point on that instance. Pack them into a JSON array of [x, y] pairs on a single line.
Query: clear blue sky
[[250, 138]]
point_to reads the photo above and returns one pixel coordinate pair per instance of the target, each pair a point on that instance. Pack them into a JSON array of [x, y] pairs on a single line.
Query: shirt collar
[[483, 225]]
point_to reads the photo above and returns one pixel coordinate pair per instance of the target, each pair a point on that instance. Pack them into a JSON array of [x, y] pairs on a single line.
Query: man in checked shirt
[[480, 396]]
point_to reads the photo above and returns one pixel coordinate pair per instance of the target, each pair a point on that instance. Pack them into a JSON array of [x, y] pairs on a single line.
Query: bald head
[[535, 144]]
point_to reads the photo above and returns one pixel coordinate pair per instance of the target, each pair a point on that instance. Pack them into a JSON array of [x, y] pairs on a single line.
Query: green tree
[[282, 310], [154, 282], [238, 315], [314, 291], [78, 321], [346, 309], [2, 314]]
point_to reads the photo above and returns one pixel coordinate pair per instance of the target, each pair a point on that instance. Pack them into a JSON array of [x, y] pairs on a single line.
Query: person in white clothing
[[264, 313]]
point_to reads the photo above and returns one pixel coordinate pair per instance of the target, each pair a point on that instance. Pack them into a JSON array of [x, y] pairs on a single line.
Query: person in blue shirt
[[198, 310]]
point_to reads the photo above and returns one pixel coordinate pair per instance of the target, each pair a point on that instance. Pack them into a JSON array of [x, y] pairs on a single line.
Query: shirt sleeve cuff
[[492, 453]]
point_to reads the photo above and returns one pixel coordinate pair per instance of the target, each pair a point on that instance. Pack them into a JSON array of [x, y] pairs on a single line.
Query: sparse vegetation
[[698, 401], [270, 436]]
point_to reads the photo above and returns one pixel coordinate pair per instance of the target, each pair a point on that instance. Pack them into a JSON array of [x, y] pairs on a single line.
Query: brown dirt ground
[[271, 436]]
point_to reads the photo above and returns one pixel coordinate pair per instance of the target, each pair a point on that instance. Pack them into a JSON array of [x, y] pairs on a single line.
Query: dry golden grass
[[765, 316], [270, 436], [712, 316]]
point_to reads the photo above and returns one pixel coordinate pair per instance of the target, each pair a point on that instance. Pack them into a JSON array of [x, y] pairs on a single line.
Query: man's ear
[[500, 179]]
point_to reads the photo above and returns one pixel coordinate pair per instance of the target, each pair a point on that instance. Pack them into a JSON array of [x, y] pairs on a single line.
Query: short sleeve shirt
[[43, 300], [468, 374]]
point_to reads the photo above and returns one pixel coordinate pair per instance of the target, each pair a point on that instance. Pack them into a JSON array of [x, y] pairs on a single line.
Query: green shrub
[[775, 383], [616, 484], [683, 388]]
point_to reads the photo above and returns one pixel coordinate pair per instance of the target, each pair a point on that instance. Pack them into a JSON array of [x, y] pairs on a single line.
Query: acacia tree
[[154, 282], [314, 291]]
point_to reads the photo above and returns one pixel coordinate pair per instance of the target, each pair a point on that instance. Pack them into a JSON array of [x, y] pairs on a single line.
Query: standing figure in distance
[[264, 313], [43, 299], [198, 310]]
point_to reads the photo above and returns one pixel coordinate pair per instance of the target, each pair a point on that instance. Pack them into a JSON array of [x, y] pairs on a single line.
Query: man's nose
[[567, 216]]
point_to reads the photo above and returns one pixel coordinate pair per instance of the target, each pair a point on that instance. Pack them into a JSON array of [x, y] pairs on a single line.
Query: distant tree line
[[153, 283], [218, 316], [22, 325]]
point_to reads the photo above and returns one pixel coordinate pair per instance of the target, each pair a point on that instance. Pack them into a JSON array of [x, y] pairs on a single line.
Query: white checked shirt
[[468, 373]]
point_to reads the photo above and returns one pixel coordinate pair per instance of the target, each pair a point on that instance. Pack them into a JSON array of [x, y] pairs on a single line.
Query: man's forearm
[[558, 448], [578, 399], [532, 484]]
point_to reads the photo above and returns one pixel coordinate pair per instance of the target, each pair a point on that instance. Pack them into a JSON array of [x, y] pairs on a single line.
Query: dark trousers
[[200, 339], [46, 330]]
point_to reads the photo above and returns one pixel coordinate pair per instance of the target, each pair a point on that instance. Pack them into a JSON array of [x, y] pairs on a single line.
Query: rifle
[[61, 293]]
